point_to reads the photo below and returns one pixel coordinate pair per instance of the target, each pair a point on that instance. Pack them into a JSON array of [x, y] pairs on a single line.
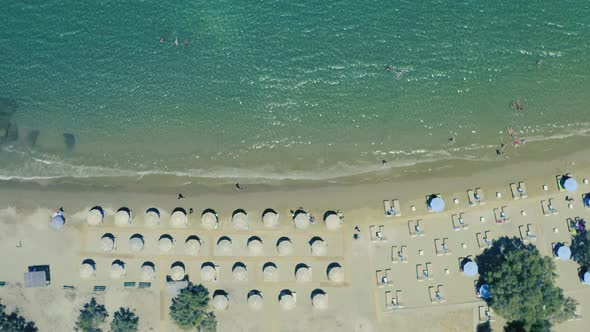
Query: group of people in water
[[175, 42], [515, 104]]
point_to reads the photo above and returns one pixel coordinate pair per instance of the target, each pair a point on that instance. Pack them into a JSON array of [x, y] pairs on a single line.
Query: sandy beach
[[361, 301]]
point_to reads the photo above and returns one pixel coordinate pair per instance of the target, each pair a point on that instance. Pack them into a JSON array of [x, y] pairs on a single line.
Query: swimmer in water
[[176, 41], [389, 68], [162, 40], [186, 41]]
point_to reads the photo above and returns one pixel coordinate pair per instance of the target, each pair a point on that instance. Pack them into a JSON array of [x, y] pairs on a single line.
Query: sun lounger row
[[393, 300], [475, 197], [392, 208], [526, 233], [518, 191]]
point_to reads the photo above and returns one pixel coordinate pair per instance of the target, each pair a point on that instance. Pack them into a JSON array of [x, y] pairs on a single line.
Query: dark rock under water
[[8, 130], [69, 141]]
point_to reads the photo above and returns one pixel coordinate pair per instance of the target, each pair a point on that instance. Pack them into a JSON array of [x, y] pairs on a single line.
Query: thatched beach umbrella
[[136, 242], [302, 273], [178, 218], [123, 217], [95, 216], [220, 301], [192, 246], [335, 273], [152, 217], [255, 246], [87, 269], [165, 243], [240, 272], [117, 269], [333, 221], [208, 272], [287, 300], [301, 219], [148, 271], [284, 246], [270, 272], [224, 245], [255, 301], [239, 220], [319, 300], [209, 219], [107, 242], [270, 218], [318, 247], [177, 271]]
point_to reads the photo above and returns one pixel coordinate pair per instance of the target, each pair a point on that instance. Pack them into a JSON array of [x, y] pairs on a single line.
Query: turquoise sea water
[[284, 89]]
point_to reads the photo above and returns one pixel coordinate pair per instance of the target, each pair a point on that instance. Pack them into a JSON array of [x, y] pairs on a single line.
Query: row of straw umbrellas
[[287, 299], [240, 219], [192, 245], [209, 271]]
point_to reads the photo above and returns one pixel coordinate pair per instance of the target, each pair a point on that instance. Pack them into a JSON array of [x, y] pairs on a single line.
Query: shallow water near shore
[[272, 91]]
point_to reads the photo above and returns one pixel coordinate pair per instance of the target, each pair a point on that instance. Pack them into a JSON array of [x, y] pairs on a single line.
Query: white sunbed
[[389, 277], [397, 208], [551, 207], [545, 208], [379, 276], [412, 228], [394, 255], [455, 223], [522, 190], [487, 238], [429, 271], [480, 193], [373, 232], [381, 234], [470, 198], [387, 208], [514, 191], [420, 272], [389, 303]]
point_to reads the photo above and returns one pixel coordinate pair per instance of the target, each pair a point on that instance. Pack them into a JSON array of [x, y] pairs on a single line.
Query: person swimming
[[389, 68], [175, 41], [186, 41], [162, 41]]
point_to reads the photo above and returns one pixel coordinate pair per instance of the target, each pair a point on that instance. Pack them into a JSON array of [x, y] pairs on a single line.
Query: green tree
[[189, 309], [522, 284], [13, 322], [209, 324], [520, 326], [92, 316], [124, 320], [581, 248], [484, 327]]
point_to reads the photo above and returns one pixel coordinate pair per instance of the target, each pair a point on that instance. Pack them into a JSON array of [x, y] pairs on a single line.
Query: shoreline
[[317, 166]]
